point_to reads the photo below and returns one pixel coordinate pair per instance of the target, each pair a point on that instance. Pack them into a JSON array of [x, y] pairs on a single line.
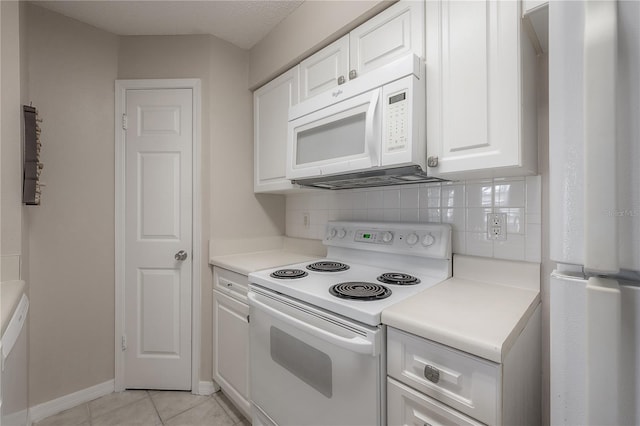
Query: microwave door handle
[[356, 344], [371, 133]]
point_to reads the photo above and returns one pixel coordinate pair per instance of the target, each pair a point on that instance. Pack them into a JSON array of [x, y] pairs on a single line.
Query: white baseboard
[[18, 418], [207, 388], [55, 406]]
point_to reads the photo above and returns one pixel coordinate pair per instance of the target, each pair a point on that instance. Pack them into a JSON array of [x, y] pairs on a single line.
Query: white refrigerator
[[594, 162]]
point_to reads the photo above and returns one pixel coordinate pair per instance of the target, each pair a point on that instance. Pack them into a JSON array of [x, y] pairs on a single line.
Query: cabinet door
[[271, 105], [322, 70], [462, 381], [392, 33], [406, 406], [231, 349], [473, 85]]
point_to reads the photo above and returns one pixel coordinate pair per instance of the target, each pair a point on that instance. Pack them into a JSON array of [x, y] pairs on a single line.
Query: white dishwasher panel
[[14, 368], [465, 382]]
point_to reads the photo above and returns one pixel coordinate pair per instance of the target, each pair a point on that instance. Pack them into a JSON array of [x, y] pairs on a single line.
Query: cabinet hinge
[[125, 122], [124, 342]]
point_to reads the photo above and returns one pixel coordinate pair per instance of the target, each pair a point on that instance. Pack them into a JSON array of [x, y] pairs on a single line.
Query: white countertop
[[249, 255], [10, 294], [245, 263], [481, 310]]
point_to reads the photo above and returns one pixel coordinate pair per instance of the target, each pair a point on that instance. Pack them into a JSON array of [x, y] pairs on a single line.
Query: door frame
[[121, 86]]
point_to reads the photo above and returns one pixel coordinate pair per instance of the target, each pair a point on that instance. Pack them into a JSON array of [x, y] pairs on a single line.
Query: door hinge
[[125, 122], [124, 342]]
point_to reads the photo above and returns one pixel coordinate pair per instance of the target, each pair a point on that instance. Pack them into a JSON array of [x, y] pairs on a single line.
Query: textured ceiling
[[240, 22]]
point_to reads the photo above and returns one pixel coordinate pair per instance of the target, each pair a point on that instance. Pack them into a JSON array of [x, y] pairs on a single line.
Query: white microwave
[[367, 132]]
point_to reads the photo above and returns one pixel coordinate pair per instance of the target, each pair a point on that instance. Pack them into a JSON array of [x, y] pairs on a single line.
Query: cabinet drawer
[[406, 406], [467, 383], [231, 283]]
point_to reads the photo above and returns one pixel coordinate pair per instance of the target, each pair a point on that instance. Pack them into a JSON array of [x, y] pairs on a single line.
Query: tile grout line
[[88, 413], [155, 408], [181, 412], [222, 406], [116, 408]]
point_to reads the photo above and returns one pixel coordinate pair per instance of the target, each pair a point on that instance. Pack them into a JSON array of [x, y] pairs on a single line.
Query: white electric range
[[317, 343]]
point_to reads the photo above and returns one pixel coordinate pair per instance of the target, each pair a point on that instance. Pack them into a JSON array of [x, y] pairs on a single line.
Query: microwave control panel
[[397, 130]]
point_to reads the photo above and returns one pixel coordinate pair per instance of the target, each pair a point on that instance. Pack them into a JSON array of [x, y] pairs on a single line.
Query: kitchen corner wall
[[71, 71], [12, 225], [68, 70], [463, 204]]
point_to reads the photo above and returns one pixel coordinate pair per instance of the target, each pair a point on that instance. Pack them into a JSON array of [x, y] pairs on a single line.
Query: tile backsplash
[[463, 204]]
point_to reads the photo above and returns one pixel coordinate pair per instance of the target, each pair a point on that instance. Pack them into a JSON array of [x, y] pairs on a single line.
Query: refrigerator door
[[628, 135], [630, 358], [566, 135], [585, 350], [594, 134]]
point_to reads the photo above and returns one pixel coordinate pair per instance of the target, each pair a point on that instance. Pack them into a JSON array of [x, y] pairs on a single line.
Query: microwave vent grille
[[370, 178]]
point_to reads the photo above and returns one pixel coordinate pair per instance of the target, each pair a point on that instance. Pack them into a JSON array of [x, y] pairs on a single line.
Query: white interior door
[[158, 238]]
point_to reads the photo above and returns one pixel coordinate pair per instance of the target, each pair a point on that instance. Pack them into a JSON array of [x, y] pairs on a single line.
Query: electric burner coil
[[289, 274], [398, 278], [327, 266], [357, 290]]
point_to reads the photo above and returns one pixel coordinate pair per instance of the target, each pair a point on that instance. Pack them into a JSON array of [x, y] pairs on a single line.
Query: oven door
[[309, 367]]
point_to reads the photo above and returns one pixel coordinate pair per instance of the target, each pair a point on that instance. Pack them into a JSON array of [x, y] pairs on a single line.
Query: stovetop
[[413, 256]]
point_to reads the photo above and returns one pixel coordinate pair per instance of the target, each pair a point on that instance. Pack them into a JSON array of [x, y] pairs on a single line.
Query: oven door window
[[302, 360]]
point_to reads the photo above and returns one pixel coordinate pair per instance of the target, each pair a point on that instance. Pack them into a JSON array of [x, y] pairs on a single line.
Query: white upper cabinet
[[271, 105], [325, 69], [392, 33], [389, 35], [481, 94]]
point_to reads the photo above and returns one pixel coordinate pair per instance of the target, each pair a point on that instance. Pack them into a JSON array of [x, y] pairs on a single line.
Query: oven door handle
[[356, 344]]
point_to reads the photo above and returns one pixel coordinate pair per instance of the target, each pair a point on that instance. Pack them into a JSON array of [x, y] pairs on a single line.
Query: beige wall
[[11, 147], [310, 27], [236, 212], [230, 210], [72, 68]]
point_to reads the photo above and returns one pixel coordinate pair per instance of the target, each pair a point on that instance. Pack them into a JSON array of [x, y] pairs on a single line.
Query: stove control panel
[[417, 239], [376, 237]]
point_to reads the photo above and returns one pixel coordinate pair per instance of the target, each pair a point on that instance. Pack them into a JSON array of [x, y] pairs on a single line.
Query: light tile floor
[[151, 408]]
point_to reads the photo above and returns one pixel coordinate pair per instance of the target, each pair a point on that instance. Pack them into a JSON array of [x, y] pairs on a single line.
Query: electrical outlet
[[305, 220], [497, 226]]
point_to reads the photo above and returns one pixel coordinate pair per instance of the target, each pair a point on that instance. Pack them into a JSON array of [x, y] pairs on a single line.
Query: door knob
[[181, 255]]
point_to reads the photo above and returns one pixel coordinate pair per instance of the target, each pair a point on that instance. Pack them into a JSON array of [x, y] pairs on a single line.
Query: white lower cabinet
[[231, 337], [467, 383], [406, 406], [432, 384]]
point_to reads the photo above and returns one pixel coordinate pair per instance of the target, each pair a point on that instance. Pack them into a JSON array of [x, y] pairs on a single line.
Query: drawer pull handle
[[431, 373]]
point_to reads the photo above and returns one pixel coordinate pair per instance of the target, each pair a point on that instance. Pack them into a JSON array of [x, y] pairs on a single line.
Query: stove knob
[[412, 239], [387, 237], [332, 233], [342, 233], [428, 240]]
